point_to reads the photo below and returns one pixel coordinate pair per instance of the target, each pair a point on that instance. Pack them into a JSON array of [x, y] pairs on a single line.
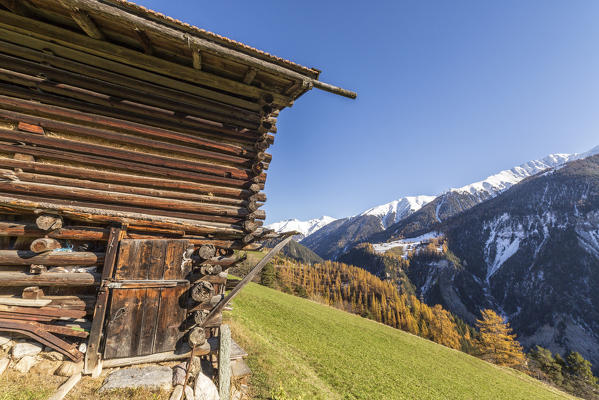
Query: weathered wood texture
[[146, 320], [224, 363]]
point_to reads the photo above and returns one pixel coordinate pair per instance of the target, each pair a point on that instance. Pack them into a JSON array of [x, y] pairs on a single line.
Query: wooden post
[[92, 356], [224, 363]]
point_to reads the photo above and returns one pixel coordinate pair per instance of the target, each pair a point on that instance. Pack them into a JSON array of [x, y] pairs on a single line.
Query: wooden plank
[[62, 279], [148, 326], [170, 316], [173, 264], [92, 356], [13, 301], [51, 258], [156, 265], [44, 311], [123, 326]]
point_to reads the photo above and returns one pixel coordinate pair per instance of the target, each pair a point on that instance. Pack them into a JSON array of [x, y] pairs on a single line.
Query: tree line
[[356, 290]]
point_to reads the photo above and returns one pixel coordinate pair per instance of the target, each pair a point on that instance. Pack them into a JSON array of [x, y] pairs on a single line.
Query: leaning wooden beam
[[168, 33], [66, 387], [52, 258], [62, 279], [247, 279]]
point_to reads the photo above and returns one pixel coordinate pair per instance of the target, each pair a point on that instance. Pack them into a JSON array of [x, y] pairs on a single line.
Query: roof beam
[[197, 58], [87, 24], [249, 76], [16, 6], [144, 40], [169, 33]]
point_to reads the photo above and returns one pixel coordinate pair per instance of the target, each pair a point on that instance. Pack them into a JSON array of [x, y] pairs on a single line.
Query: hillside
[[312, 351], [533, 254]]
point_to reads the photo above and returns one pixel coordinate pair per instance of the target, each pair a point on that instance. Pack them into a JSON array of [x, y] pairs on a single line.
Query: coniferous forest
[[357, 291]]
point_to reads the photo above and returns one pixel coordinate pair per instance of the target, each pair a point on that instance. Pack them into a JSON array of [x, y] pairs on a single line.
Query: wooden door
[[148, 296]]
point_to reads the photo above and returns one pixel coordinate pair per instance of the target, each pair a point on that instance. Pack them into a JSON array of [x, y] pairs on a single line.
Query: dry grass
[[32, 386]]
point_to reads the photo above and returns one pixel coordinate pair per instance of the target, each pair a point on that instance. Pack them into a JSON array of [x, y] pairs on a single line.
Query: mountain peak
[[391, 212], [304, 227]]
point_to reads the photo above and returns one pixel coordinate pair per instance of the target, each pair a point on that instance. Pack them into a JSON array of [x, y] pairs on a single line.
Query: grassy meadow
[[304, 350]]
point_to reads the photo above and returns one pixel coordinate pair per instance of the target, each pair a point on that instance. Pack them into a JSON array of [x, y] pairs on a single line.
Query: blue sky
[[449, 92]]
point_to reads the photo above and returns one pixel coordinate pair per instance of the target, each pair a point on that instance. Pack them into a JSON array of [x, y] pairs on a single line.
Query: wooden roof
[[134, 27]]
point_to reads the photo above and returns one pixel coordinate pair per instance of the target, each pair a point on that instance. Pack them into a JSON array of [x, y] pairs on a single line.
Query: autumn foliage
[[355, 290], [497, 342]]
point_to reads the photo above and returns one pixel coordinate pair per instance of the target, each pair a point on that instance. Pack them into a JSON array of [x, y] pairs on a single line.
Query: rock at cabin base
[[45, 367], [205, 389], [69, 368], [180, 370], [4, 340], [7, 346], [23, 349], [53, 356], [150, 378], [3, 364], [25, 364], [179, 374], [177, 393], [189, 393]]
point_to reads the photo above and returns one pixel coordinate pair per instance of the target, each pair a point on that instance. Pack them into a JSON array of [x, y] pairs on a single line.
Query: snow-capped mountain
[[304, 227], [397, 210], [455, 201], [532, 253], [413, 214]]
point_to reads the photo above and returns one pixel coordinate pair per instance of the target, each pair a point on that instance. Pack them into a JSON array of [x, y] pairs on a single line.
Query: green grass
[[310, 351]]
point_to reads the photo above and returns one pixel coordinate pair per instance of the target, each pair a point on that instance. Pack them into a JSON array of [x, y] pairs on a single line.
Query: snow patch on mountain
[[304, 227], [396, 210], [408, 244], [502, 243]]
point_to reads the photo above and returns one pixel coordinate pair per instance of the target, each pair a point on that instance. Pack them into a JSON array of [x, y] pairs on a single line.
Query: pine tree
[[497, 343]]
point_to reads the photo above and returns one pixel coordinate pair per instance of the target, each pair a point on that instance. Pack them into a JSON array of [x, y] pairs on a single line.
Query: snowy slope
[[503, 180], [304, 227], [396, 210]]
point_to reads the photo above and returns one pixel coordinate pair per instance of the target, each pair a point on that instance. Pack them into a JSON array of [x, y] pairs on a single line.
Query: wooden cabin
[[132, 164]]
